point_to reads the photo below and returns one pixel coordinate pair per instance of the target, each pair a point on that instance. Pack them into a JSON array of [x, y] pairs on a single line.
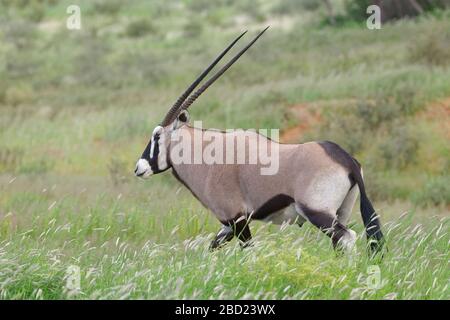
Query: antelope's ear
[[183, 117]]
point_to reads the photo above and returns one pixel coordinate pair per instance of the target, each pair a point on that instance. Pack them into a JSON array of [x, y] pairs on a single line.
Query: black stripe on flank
[[274, 204]]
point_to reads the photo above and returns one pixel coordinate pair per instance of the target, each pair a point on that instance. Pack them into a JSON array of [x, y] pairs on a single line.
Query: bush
[[35, 11], [432, 49], [435, 192], [90, 64], [30, 10], [291, 6], [375, 113], [193, 29], [400, 148], [347, 130], [400, 101], [10, 159], [20, 33], [408, 98], [139, 28], [108, 7], [356, 9], [198, 6], [359, 125], [378, 186], [391, 10], [19, 94]]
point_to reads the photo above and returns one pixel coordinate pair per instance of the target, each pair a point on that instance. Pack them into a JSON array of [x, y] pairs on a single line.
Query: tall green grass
[[124, 250], [77, 109]]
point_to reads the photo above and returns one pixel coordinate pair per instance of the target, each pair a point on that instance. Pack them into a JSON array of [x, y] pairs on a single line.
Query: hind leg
[[301, 216], [320, 202], [341, 236], [345, 210], [343, 216], [300, 221]]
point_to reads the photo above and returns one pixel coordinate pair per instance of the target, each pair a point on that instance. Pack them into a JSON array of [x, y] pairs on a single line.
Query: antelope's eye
[[183, 117]]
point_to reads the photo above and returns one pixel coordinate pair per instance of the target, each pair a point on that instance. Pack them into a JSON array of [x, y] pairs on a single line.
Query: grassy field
[[78, 106]]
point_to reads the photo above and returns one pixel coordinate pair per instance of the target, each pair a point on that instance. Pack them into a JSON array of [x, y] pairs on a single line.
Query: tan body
[[306, 174], [309, 182]]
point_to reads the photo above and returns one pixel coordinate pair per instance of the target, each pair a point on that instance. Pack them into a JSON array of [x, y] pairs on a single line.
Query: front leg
[[225, 234], [242, 231], [238, 228]]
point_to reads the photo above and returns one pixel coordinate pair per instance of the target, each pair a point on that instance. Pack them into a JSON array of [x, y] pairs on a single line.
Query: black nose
[[140, 174], [135, 170]]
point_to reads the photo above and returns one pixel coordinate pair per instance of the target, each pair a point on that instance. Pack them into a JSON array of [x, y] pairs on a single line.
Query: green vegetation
[[77, 108]]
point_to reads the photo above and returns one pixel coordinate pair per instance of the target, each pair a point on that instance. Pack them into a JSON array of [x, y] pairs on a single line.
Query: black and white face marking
[[154, 157]]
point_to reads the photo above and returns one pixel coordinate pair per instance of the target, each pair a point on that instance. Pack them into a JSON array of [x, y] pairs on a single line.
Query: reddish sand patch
[[292, 135], [307, 116], [439, 113]]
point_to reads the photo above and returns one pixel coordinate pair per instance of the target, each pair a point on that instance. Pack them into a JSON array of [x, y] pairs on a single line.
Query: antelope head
[[155, 158]]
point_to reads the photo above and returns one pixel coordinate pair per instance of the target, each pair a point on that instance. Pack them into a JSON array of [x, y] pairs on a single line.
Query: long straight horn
[[175, 108], [205, 86]]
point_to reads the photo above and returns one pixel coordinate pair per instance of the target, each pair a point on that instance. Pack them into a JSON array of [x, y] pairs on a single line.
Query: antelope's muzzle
[[142, 168]]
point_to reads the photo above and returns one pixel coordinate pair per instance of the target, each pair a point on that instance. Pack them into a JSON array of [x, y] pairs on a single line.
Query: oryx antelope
[[316, 181]]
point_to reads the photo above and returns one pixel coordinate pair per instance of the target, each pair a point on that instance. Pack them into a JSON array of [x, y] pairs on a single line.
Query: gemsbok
[[317, 182]]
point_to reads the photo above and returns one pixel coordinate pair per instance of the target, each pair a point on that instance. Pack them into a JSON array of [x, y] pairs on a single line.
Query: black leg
[[300, 222], [225, 234], [230, 229], [242, 231]]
